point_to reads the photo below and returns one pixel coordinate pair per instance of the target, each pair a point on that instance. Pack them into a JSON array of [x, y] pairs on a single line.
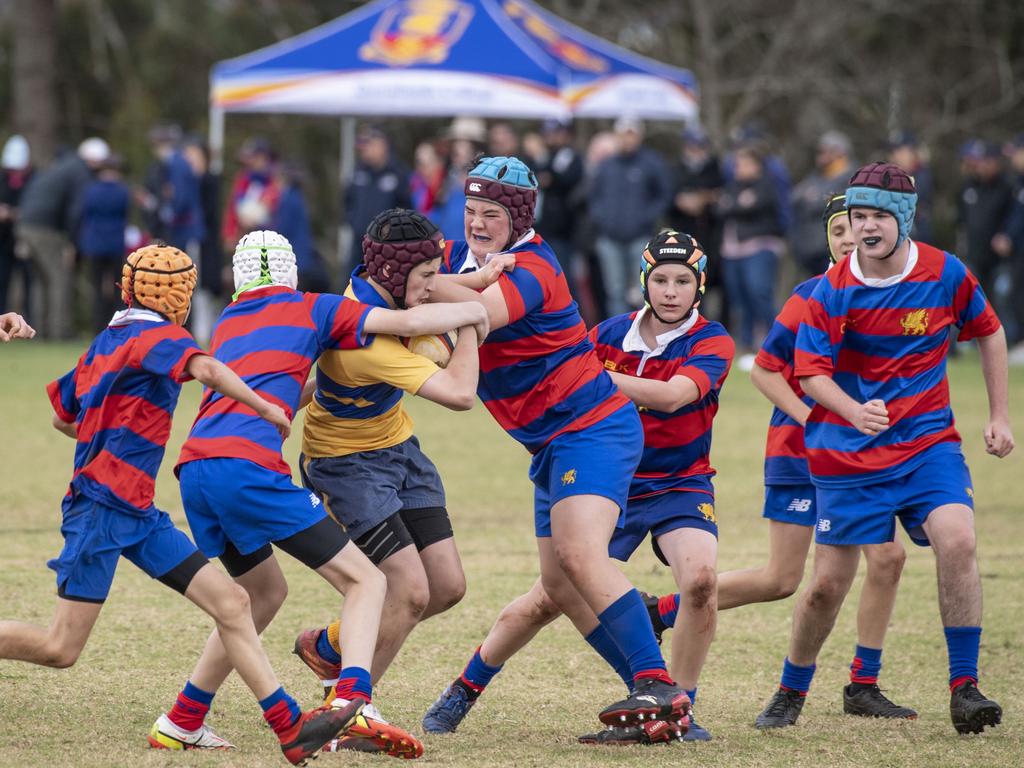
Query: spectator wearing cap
[[465, 137], [380, 182], [50, 209], [105, 205], [905, 152], [696, 184], [15, 172], [629, 193], [832, 169], [984, 214], [254, 193], [751, 247], [558, 176]]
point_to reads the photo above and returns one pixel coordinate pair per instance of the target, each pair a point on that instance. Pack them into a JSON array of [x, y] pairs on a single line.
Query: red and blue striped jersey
[[121, 396], [455, 254], [785, 457], [677, 445], [888, 343], [539, 376], [270, 337]]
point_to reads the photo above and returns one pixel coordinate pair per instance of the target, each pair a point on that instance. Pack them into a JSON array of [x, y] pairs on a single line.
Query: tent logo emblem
[[416, 32], [552, 41]]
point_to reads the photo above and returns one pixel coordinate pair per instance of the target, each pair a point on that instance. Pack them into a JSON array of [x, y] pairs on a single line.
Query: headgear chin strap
[[885, 187], [161, 278], [671, 247], [395, 242], [510, 183]]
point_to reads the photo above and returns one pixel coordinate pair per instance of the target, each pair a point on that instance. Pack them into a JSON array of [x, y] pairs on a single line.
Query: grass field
[[98, 712]]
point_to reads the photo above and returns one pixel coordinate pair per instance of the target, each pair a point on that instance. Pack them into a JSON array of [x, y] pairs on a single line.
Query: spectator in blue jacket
[[291, 220], [630, 192], [104, 217], [176, 202]]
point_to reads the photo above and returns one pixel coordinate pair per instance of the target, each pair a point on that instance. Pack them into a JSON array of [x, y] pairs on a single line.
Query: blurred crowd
[[64, 230]]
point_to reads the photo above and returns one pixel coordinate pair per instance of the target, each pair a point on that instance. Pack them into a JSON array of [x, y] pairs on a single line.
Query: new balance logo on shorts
[[314, 500], [799, 505], [824, 525]]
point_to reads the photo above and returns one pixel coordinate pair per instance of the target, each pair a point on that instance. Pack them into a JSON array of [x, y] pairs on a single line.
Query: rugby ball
[[437, 349]]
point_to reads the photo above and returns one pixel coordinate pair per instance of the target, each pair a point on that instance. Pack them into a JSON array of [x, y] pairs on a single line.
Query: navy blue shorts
[[362, 490], [96, 535], [599, 460], [664, 512], [796, 504], [866, 514], [239, 501]]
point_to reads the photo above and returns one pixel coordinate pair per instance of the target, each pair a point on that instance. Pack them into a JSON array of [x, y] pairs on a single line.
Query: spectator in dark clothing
[[985, 206], [905, 152], [1014, 244], [176, 202], [15, 171], [558, 176], [753, 135], [50, 209], [210, 262], [100, 242], [292, 221], [696, 183], [502, 140], [832, 169], [254, 193], [751, 247], [379, 183], [630, 192]]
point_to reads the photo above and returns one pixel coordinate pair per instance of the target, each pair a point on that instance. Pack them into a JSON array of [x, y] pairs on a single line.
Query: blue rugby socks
[[476, 676], [629, 626], [796, 678], [962, 643], [606, 648], [867, 663]]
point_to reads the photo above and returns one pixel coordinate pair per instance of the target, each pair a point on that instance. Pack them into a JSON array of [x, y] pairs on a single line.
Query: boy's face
[[874, 231], [487, 227], [420, 282], [672, 289], [840, 237]]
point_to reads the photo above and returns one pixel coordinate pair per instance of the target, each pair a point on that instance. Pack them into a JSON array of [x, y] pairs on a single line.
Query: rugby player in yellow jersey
[[359, 453]]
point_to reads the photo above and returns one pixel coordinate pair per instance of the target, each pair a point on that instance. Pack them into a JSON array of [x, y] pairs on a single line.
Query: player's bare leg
[[862, 696], [267, 590], [518, 623], [58, 645], [878, 595], [408, 595], [819, 603], [779, 579], [693, 554], [445, 576], [813, 618]]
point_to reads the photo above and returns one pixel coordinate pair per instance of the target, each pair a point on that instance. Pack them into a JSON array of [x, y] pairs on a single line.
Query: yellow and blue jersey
[[358, 401]]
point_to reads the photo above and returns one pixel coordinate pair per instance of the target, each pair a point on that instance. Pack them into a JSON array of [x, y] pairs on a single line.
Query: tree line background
[[947, 70]]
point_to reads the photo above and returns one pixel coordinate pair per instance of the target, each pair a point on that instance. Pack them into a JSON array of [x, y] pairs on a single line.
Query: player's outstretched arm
[[223, 380], [455, 386], [429, 318], [665, 396], [998, 436], [868, 418], [773, 385], [447, 289], [67, 427], [13, 326]]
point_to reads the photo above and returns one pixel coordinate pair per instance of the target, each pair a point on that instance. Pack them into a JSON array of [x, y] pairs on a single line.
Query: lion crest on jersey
[[915, 323], [708, 510]]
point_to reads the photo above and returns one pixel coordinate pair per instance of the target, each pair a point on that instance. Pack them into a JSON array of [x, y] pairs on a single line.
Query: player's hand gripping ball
[[437, 349]]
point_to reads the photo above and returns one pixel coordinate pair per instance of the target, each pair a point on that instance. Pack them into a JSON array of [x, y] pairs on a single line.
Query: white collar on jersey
[[471, 264], [634, 342], [132, 314], [884, 282]]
